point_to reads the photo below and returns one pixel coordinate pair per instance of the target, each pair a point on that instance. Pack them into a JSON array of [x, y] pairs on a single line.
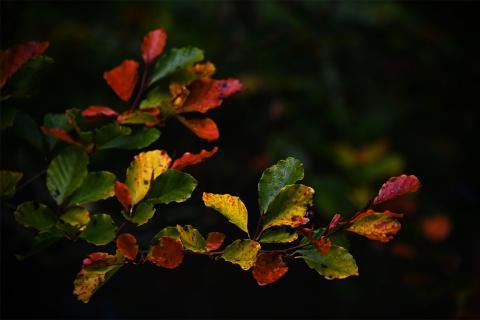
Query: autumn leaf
[[204, 128], [230, 206], [98, 111], [268, 268], [191, 239], [166, 253], [214, 240], [61, 134], [395, 187], [190, 159], [123, 195], [242, 252], [12, 59], [322, 244], [127, 245], [153, 44], [278, 235], [380, 226], [123, 78], [138, 117]]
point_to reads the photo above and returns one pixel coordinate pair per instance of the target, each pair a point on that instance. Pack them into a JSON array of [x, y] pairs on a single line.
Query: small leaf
[[191, 239], [138, 139], [337, 263], [123, 195], [166, 232], [77, 217], [66, 173], [279, 235], [268, 268], [229, 206], [190, 159], [8, 183], [395, 187], [100, 230], [214, 240], [242, 252], [127, 245], [96, 186], [153, 44], [289, 207], [171, 186], [166, 253], [61, 134], [204, 128], [381, 226], [176, 58], [39, 217], [276, 177], [145, 167], [98, 111], [143, 212], [123, 78]]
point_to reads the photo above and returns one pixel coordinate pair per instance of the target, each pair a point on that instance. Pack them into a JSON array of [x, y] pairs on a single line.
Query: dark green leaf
[[279, 235], [176, 58], [96, 186], [171, 186], [8, 183], [144, 211], [100, 230], [39, 217], [42, 241], [26, 128], [138, 139]]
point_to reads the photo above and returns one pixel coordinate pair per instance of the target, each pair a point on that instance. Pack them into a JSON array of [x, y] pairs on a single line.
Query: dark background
[[359, 91]]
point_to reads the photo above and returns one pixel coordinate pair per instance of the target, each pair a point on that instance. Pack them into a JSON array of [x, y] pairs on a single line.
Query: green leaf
[[96, 186], [289, 207], [77, 217], [166, 232], [8, 183], [100, 230], [156, 98], [105, 136], [42, 241], [39, 217], [119, 137], [276, 177], [66, 173], [279, 235], [192, 239], [171, 186], [143, 212], [229, 206], [337, 263], [338, 238], [242, 252], [51, 120], [176, 58]]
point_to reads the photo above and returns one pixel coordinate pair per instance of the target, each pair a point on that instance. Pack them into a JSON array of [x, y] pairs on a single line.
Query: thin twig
[[141, 89], [32, 179]]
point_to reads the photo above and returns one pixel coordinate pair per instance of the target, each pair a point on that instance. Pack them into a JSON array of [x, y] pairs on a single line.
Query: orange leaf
[[98, 111], [190, 159], [167, 253], [153, 44], [206, 94], [380, 226], [127, 245], [203, 128], [268, 268], [61, 135], [214, 240], [395, 187], [13, 58], [123, 195], [122, 79]]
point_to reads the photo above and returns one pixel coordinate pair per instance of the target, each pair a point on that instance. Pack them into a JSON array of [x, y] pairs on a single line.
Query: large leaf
[[174, 59], [123, 78], [8, 183], [145, 167], [269, 267], [38, 216], [137, 139], [242, 252], [380, 226], [107, 135], [66, 173], [279, 235], [229, 206], [167, 252], [337, 263], [100, 230], [191, 239], [276, 177], [171, 186], [289, 207], [153, 44], [96, 186]]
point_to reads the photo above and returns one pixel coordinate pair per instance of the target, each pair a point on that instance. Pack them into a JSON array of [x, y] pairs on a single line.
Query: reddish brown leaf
[[203, 128], [13, 58], [98, 111], [206, 94], [95, 258], [322, 244], [139, 117], [153, 44], [268, 268], [190, 159], [167, 253], [395, 187], [214, 240], [123, 195], [61, 135], [122, 79], [127, 245]]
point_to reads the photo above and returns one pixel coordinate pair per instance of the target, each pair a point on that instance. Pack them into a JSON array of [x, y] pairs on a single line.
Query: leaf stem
[[32, 179], [141, 90]]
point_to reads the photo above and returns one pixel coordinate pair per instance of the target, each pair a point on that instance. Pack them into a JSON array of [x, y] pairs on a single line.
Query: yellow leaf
[[229, 206]]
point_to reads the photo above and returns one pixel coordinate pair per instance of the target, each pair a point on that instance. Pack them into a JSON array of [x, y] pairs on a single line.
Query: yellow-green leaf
[[96, 186], [191, 239], [77, 217], [100, 230], [38, 216], [279, 235], [229, 206], [242, 252]]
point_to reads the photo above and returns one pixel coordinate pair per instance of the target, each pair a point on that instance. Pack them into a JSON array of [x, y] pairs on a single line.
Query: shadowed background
[[358, 91]]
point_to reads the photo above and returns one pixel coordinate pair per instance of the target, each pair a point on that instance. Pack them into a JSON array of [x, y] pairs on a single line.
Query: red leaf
[[203, 128], [322, 244], [98, 111], [123, 195], [122, 79], [214, 240], [153, 44], [95, 258], [268, 268], [395, 187], [127, 245], [61, 135], [334, 222], [167, 253], [206, 94], [190, 159], [13, 58]]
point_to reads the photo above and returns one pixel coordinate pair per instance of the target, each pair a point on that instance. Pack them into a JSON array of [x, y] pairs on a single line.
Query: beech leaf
[[279, 235], [171, 186], [191, 239], [114, 136], [214, 240], [190, 159], [8, 182], [166, 253], [143, 212], [395, 187], [123, 195], [123, 78], [173, 60], [76, 217], [204, 128], [96, 186], [100, 230], [230, 206], [380, 226], [153, 44], [38, 216], [242, 252], [268, 268], [166, 232], [98, 111], [127, 245]]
